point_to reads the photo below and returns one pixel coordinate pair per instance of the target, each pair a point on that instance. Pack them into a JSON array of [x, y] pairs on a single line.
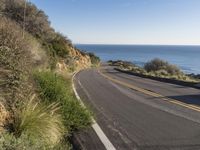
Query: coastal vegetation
[[156, 65], [54, 88], [155, 68], [38, 109], [94, 59]]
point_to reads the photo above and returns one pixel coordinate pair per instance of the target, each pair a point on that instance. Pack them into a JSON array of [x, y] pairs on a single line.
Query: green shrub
[[39, 121], [38, 25], [137, 69], [173, 70], [155, 68], [161, 72], [155, 65], [94, 59], [37, 22], [75, 115], [24, 142], [54, 88], [60, 45], [158, 64], [124, 64], [10, 142]]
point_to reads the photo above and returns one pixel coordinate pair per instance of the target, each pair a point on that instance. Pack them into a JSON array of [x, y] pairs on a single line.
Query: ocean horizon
[[184, 56]]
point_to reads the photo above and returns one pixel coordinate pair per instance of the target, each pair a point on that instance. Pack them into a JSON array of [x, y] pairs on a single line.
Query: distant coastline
[[184, 56], [189, 45]]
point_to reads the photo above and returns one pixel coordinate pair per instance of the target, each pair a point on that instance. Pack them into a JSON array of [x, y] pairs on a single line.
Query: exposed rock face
[[3, 116], [77, 60], [81, 59]]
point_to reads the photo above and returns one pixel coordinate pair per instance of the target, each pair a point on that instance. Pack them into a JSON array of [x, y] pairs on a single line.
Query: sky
[[165, 22]]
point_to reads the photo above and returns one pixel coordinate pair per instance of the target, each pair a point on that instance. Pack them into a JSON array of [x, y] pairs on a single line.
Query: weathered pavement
[[135, 120]]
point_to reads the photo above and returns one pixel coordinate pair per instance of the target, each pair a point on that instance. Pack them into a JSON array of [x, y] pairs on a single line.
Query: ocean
[[186, 57]]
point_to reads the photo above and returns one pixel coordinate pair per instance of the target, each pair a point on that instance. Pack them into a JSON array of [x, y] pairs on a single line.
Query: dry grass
[[18, 56], [39, 121], [156, 68]]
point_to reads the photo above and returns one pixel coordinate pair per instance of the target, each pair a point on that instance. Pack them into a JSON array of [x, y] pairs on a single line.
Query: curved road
[[140, 114]]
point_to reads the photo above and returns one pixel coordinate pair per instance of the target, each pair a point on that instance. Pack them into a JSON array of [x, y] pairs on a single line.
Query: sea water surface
[[186, 57]]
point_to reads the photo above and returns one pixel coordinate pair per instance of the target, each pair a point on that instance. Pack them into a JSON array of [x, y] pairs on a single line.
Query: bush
[[60, 45], [75, 115], [173, 70], [24, 142], [162, 72], [39, 121], [10, 142], [37, 22], [94, 59], [54, 88], [137, 69], [18, 56], [155, 65], [155, 68], [158, 64]]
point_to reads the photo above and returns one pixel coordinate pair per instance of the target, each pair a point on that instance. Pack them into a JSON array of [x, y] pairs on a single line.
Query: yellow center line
[[190, 106]]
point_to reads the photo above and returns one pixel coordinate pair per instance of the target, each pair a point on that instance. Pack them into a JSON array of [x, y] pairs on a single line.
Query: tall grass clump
[[39, 121], [35, 125], [54, 88]]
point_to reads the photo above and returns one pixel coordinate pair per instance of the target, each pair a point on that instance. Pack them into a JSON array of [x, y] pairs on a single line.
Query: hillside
[[38, 109], [36, 23]]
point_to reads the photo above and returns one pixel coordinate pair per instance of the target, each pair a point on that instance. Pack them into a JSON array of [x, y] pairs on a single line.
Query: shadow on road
[[188, 99]]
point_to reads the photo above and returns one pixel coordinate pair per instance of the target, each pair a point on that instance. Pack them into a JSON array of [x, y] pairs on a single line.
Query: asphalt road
[[135, 120]]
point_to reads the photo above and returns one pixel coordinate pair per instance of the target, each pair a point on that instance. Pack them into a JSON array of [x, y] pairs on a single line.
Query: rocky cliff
[[76, 60]]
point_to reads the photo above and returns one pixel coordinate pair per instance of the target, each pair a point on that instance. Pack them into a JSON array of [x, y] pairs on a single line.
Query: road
[[139, 114]]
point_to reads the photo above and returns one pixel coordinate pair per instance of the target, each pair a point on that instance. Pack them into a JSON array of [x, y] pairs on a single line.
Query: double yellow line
[[156, 95]]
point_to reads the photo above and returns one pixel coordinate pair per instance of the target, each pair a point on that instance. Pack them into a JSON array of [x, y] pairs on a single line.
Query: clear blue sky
[[125, 21]]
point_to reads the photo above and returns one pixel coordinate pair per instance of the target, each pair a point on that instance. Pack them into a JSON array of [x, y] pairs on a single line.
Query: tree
[[36, 21]]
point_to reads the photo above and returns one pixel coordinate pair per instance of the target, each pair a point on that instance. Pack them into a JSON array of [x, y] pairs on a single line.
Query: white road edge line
[[103, 138]]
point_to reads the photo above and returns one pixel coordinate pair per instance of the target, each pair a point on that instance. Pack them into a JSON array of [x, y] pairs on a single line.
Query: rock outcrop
[[76, 60], [81, 59], [3, 116]]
